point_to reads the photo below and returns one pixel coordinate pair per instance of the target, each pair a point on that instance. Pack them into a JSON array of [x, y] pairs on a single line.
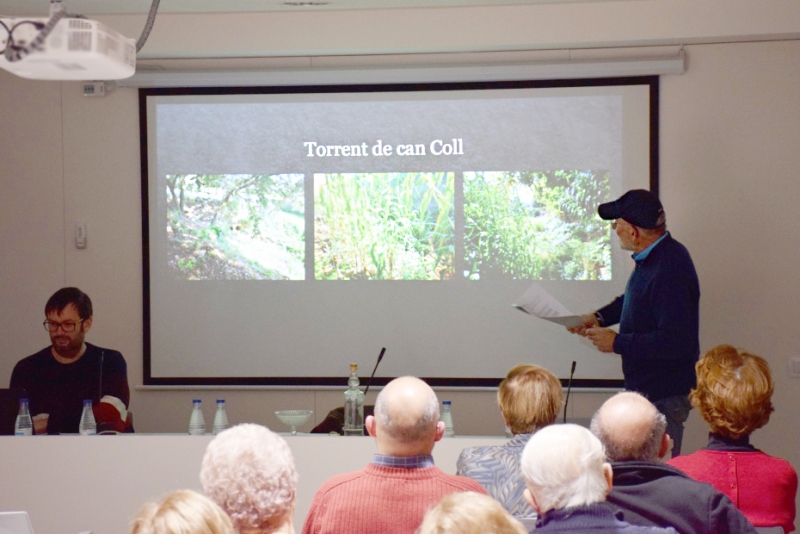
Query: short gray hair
[[624, 448], [417, 430], [564, 466]]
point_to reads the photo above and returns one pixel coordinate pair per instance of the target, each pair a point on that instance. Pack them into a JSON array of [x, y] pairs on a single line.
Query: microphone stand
[[569, 388], [380, 357]]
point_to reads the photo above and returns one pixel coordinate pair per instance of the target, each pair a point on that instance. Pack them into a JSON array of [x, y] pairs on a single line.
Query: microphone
[[100, 384], [569, 388], [380, 357]]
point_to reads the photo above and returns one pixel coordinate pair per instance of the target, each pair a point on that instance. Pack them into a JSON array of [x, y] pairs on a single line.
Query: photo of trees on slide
[[236, 226], [383, 226], [539, 225], [536, 225]]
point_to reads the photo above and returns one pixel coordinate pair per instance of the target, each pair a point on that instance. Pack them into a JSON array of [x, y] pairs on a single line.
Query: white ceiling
[[109, 7]]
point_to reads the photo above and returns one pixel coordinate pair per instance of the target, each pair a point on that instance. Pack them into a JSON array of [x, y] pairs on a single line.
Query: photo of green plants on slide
[[383, 226], [536, 225], [236, 226]]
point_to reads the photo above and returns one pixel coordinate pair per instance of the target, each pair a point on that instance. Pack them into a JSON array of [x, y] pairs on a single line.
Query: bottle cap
[[220, 401], [353, 367], [196, 400], [446, 403]]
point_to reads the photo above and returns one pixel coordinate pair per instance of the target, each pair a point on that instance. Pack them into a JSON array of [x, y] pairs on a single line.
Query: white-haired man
[[392, 493], [649, 492], [567, 481]]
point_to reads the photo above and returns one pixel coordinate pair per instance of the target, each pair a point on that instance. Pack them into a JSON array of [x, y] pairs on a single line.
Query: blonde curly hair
[[734, 391], [182, 512], [469, 512], [249, 471]]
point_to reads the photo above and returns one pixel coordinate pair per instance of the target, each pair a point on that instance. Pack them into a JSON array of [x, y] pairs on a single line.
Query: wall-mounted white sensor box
[[80, 235], [794, 367]]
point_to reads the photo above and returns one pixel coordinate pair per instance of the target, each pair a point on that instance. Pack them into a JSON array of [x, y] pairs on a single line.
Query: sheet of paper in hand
[[538, 302]]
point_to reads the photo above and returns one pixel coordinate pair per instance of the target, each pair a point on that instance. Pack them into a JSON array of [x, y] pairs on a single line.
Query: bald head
[[630, 428], [407, 413]]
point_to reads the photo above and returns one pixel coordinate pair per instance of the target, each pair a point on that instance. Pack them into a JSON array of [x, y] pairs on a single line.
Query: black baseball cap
[[638, 206]]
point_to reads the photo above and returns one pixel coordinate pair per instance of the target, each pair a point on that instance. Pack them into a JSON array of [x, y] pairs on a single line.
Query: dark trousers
[[676, 410]]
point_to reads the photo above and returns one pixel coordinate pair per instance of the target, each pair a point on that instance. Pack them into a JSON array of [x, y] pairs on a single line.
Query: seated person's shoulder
[[110, 357], [34, 361], [464, 483], [338, 482], [105, 352], [476, 460]]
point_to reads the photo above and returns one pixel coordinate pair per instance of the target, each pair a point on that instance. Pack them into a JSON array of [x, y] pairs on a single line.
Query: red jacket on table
[[761, 486], [381, 499]]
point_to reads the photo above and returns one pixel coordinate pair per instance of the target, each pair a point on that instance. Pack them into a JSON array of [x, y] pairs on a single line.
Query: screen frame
[[652, 82]]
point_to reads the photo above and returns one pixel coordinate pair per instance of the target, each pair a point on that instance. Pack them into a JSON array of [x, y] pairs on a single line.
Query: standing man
[[59, 377], [658, 315]]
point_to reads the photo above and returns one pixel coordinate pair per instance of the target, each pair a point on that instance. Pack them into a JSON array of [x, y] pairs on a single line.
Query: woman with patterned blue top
[[529, 399]]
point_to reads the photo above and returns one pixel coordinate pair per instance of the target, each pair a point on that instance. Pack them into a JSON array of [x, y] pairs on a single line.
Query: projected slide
[[292, 231], [536, 225], [383, 226], [235, 226]]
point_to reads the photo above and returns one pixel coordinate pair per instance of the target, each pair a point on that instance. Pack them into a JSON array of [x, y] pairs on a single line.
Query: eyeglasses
[[50, 326]]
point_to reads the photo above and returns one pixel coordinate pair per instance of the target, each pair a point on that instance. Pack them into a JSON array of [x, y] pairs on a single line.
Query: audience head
[[468, 512], [249, 471], [631, 428], [530, 398], [734, 391], [564, 466], [183, 512], [406, 420]]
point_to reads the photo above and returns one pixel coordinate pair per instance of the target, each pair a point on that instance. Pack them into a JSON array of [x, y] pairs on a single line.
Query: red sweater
[[761, 486], [381, 499]]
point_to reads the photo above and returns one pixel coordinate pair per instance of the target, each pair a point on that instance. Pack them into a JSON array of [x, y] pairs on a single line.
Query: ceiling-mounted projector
[[75, 49]]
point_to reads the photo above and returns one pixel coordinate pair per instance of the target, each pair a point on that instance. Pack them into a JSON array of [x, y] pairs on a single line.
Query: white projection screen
[[291, 231]]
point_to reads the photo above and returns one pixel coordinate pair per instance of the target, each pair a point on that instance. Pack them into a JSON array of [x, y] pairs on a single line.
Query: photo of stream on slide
[[236, 226]]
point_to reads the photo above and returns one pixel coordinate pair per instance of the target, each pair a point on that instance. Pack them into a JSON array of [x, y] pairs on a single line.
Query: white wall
[[531, 26], [729, 158], [730, 154]]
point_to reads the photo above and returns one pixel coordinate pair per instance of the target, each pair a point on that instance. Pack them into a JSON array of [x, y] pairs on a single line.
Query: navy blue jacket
[[652, 493], [659, 320], [598, 518]]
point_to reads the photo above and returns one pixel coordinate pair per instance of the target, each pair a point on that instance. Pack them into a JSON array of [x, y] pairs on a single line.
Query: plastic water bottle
[[88, 425], [353, 405], [447, 417], [24, 424], [220, 418], [197, 423]]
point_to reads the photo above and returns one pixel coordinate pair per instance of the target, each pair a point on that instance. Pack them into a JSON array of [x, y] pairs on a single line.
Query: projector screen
[[291, 231]]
